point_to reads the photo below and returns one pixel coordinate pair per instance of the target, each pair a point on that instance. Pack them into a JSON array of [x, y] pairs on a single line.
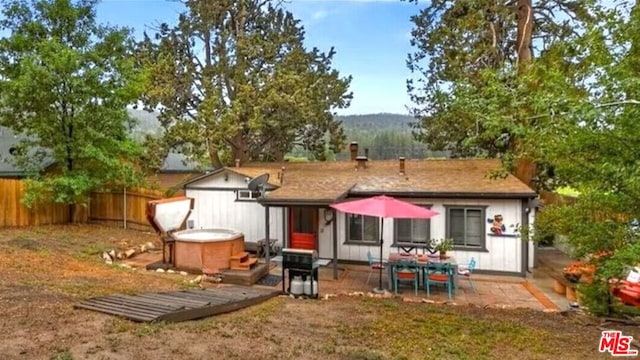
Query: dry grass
[[46, 270]]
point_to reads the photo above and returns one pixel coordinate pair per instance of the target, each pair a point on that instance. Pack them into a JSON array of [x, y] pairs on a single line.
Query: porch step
[[248, 264], [242, 261], [240, 256]]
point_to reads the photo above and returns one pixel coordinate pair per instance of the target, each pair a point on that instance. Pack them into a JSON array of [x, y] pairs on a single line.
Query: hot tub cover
[[166, 215]]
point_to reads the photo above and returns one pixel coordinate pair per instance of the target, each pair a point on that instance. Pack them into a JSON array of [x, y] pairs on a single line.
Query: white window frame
[[247, 195]]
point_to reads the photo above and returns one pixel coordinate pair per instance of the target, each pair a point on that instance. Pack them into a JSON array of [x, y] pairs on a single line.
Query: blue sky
[[371, 38]]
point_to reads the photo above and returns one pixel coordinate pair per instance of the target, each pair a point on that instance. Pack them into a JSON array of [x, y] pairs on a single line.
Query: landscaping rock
[[328, 296], [106, 257], [150, 246], [129, 253], [171, 271], [184, 273], [160, 270]]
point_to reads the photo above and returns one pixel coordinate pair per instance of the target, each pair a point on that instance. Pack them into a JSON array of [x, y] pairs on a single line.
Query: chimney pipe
[[353, 148], [402, 172], [237, 163]]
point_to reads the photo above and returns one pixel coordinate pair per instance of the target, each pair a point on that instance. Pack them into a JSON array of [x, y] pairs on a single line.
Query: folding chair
[[467, 270]]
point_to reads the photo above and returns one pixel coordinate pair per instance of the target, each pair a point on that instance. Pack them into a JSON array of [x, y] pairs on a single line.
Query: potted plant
[[444, 245]]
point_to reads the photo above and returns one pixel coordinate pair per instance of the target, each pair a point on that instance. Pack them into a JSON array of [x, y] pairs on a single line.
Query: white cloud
[[320, 14]]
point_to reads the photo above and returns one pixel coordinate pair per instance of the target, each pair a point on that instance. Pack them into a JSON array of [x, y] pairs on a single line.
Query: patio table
[[396, 259]]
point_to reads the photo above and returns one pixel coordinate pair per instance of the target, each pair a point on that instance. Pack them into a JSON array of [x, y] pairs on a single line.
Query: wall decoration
[[497, 227]]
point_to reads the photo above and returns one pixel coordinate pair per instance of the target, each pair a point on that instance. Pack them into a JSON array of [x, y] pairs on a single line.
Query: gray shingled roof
[[7, 141]]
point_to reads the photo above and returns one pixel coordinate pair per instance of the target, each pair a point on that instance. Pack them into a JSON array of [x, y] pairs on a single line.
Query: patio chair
[[467, 270], [439, 273], [375, 264], [404, 272]]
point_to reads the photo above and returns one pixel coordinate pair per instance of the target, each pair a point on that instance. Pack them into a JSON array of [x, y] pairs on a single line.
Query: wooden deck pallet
[[178, 306]]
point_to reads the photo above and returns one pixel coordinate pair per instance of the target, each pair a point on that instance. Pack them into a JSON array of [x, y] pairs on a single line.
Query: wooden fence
[[104, 207], [126, 209], [13, 213]]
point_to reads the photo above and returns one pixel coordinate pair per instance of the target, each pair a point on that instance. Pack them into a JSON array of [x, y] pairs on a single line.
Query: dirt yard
[[45, 270]]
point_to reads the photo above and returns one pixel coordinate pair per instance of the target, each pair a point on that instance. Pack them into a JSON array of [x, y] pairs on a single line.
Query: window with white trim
[[247, 195], [466, 227], [363, 229]]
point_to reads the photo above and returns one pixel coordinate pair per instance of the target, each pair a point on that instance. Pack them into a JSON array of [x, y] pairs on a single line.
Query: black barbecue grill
[[298, 262]]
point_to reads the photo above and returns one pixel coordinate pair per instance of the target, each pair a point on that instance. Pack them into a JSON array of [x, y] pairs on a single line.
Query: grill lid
[[166, 215]]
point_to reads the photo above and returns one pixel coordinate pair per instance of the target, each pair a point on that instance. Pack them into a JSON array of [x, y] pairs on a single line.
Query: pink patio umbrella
[[384, 207]]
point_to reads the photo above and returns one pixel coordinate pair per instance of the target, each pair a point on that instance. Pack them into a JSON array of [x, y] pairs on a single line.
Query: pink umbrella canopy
[[384, 207]]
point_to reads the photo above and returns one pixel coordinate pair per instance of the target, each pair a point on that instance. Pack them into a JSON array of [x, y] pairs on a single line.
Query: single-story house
[[294, 208]]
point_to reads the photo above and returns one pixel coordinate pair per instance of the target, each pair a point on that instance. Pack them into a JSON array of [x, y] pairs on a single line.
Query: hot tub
[[207, 250]]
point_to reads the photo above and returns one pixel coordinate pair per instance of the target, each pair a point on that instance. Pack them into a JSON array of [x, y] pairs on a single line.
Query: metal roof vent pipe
[[353, 148], [362, 162], [402, 171]]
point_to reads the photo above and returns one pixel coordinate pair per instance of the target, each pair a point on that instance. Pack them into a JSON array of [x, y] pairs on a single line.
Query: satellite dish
[[258, 183]]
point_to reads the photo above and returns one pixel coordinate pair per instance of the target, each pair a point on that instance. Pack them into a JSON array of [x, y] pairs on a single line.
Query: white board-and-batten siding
[[216, 206], [503, 253]]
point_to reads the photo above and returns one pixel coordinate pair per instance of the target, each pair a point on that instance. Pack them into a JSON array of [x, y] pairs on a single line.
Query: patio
[[494, 291]]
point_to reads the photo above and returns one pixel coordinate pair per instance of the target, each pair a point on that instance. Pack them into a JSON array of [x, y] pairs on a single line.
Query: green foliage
[[232, 80], [65, 84], [470, 97], [62, 353], [573, 110], [442, 245], [590, 140]]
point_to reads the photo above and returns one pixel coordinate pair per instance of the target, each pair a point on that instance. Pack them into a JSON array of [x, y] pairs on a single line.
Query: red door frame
[[308, 241]]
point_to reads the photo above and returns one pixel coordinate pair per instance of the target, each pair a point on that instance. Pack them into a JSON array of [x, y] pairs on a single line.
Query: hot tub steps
[[242, 261]]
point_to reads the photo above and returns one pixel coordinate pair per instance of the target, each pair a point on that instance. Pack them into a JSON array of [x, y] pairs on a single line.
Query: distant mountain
[[382, 121], [147, 123], [384, 135]]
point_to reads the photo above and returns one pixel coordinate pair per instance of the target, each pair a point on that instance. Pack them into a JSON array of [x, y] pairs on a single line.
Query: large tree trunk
[[525, 27], [525, 169], [240, 149], [214, 157]]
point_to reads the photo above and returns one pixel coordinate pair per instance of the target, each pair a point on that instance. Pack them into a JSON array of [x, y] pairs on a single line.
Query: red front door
[[303, 228]]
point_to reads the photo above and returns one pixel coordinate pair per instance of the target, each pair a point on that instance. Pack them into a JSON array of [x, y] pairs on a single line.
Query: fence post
[[124, 216]]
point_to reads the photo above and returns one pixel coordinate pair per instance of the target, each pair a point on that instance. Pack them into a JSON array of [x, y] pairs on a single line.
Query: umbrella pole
[[380, 289]]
